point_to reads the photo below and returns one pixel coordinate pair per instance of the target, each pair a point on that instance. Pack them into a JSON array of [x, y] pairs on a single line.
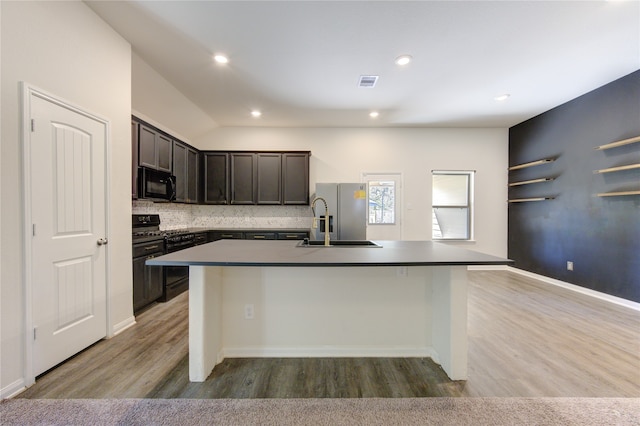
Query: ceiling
[[299, 61]]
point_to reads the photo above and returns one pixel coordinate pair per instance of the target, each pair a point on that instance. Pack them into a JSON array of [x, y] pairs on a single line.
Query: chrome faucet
[[326, 218]]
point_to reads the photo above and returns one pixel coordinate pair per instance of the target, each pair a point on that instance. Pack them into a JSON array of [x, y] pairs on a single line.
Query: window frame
[[469, 206]]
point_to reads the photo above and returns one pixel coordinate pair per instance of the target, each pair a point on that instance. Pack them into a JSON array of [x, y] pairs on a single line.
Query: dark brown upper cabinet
[[185, 169], [134, 159], [193, 175], [295, 178], [215, 180], [155, 149], [269, 178], [243, 178], [250, 178]]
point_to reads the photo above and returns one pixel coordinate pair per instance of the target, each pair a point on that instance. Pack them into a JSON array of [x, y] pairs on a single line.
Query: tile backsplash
[[175, 216]]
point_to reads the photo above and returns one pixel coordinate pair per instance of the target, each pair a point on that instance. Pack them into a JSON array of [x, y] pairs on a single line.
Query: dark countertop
[[285, 253]]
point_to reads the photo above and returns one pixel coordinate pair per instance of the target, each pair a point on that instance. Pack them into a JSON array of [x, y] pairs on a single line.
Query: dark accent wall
[[600, 235]]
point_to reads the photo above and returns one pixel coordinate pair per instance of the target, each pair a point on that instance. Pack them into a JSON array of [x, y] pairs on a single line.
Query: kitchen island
[[277, 299]]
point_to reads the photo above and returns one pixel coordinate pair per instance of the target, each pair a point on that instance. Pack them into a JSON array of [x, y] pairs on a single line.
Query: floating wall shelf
[[618, 169], [527, 182], [618, 193], [526, 200], [532, 163], [618, 143]]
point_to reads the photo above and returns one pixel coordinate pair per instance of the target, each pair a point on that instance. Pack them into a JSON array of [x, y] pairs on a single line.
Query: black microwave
[[156, 185]]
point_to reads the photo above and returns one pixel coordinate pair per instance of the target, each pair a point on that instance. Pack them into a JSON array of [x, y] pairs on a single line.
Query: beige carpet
[[368, 411]]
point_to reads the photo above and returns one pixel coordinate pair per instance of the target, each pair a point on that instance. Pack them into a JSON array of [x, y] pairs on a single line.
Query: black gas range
[[146, 227], [156, 283]]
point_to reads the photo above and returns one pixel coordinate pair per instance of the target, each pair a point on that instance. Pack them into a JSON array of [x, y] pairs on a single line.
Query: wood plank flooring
[[526, 338]]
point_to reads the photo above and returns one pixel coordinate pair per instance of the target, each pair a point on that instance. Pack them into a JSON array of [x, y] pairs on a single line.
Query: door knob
[[102, 241]]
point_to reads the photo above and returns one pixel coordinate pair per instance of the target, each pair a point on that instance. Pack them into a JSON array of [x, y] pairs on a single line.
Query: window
[[452, 204], [382, 202]]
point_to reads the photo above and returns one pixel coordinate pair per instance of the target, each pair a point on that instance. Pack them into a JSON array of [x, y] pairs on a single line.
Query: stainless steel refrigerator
[[347, 204]]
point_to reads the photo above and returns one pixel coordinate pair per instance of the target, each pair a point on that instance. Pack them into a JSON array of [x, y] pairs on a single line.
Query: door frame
[[28, 91]]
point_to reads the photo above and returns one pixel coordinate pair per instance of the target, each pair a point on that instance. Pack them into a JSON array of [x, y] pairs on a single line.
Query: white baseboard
[[330, 352], [586, 291], [13, 389], [487, 267], [123, 325]]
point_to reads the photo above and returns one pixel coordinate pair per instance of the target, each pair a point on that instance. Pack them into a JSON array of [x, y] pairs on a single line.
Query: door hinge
[[33, 125], [34, 332], [33, 230]]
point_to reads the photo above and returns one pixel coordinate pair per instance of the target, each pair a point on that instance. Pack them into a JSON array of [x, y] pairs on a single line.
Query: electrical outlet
[[569, 265], [248, 311], [402, 271]]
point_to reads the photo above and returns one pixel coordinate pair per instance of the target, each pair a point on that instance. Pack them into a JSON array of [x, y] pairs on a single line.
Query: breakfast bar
[[284, 298]]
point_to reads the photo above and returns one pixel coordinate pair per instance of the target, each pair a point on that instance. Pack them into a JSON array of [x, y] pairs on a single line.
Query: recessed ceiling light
[[374, 114], [221, 59], [502, 97], [256, 113], [403, 60]]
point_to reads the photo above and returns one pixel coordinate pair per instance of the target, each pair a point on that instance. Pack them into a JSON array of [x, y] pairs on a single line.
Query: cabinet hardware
[[151, 247]]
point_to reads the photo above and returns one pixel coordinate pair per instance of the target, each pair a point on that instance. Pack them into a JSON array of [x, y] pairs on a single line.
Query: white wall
[[66, 50], [343, 154], [156, 101]]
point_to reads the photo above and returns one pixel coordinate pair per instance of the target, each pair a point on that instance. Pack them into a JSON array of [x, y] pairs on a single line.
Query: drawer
[[292, 235], [201, 238], [260, 235], [145, 249], [226, 235]]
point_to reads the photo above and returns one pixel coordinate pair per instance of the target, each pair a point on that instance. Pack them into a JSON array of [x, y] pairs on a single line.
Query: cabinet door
[[147, 149], [216, 168], [193, 165], [147, 283], [269, 182], [295, 178], [134, 159], [138, 283], [243, 178], [164, 148], [153, 283], [180, 171], [155, 149]]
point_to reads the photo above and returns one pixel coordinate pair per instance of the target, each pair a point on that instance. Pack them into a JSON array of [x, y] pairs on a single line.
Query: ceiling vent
[[368, 81]]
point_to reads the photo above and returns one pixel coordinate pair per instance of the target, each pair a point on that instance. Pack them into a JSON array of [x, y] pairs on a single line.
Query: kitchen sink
[[339, 243]]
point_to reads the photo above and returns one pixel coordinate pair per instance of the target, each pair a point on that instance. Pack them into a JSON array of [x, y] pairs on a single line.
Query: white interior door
[[68, 222], [384, 204]]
